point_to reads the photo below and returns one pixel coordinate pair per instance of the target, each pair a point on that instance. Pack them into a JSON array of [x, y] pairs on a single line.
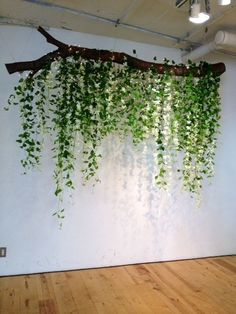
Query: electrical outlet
[[3, 251]]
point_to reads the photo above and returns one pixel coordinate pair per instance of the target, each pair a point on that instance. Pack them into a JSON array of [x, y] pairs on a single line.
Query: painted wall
[[125, 219]]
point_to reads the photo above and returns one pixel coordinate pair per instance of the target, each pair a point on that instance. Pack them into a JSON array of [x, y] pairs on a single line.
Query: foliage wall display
[[81, 100]]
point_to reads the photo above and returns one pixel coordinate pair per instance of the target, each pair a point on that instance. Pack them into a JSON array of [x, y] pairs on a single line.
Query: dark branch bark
[[52, 40], [65, 50]]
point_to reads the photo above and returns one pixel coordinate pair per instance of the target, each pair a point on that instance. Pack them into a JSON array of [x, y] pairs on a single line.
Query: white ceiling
[[150, 21]]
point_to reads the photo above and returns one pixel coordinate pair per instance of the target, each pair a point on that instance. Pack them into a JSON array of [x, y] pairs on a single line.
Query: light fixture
[[224, 2], [199, 13]]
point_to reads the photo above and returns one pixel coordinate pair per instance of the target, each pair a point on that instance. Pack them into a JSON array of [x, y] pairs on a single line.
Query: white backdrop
[[124, 219]]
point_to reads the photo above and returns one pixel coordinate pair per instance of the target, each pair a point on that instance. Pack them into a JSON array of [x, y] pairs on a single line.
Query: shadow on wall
[[127, 176]]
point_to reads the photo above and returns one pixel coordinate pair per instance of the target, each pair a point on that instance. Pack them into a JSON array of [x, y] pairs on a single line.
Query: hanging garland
[[77, 99]]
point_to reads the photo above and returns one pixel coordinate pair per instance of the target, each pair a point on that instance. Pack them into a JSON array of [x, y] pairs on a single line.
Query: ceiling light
[[224, 2], [201, 18], [197, 14]]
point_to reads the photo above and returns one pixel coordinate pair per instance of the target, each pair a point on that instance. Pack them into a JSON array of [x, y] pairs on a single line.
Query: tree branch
[[52, 40], [65, 50]]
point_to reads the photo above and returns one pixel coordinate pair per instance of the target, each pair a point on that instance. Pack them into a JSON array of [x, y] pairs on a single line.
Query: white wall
[[125, 219]]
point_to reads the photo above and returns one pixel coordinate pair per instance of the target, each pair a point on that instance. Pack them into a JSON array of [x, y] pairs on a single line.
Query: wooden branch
[[65, 50], [51, 39]]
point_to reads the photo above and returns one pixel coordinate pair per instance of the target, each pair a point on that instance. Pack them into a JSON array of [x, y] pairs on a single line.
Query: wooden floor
[[194, 286]]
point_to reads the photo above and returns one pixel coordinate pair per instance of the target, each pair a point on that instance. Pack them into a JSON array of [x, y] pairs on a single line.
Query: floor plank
[[192, 286]]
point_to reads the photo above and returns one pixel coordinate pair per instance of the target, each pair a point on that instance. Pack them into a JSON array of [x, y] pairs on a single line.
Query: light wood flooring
[[193, 286]]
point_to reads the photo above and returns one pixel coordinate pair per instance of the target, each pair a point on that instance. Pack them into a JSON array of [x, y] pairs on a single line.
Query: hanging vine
[[82, 100]]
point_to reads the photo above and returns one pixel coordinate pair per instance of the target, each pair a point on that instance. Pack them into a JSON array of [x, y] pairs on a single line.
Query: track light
[[224, 2], [199, 13], [199, 10]]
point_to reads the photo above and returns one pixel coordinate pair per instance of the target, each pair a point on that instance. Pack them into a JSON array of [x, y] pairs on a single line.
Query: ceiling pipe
[[222, 39], [78, 12], [64, 9]]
